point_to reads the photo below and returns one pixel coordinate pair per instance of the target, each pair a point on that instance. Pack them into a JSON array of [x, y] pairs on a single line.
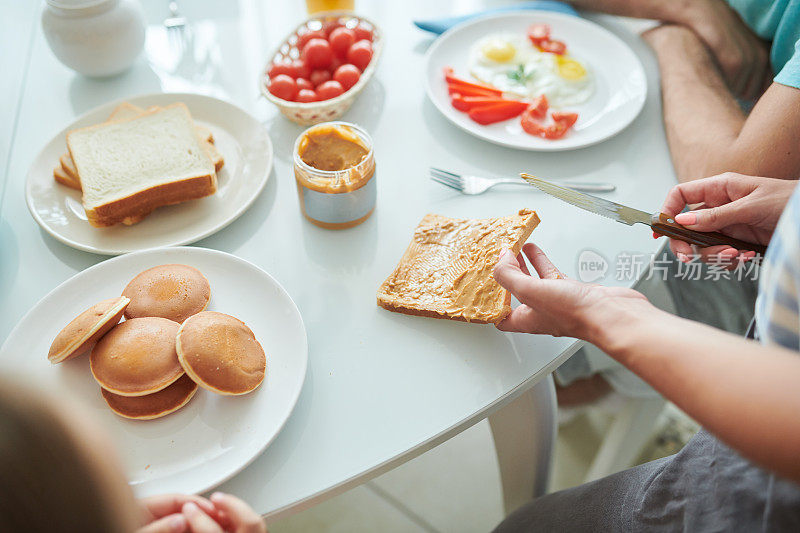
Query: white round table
[[381, 387]]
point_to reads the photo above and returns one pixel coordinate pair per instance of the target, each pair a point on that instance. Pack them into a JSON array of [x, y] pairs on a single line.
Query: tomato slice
[[563, 117], [531, 124], [539, 106], [454, 81], [538, 33], [552, 46], [489, 114]]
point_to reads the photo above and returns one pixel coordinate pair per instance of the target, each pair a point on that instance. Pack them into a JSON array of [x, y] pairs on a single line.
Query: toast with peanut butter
[[446, 271]]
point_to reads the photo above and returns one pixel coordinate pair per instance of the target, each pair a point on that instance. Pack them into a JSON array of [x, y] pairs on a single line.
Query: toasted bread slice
[[130, 167], [446, 272], [65, 179]]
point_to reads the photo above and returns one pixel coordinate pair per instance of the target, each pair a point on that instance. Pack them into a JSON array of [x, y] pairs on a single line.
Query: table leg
[[524, 434]]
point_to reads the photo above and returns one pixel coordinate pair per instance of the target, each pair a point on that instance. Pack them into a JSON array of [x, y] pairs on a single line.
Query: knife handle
[[666, 225]]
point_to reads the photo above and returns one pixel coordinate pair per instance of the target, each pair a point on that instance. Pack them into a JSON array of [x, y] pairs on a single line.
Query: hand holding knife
[[659, 222]]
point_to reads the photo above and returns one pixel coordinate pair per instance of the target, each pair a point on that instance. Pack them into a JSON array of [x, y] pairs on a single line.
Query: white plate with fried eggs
[[599, 77]]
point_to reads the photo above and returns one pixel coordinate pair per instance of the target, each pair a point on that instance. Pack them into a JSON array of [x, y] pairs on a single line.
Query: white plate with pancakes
[[213, 436], [617, 76], [241, 140]]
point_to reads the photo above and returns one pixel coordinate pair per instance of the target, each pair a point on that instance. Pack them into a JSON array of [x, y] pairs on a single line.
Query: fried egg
[[514, 65]]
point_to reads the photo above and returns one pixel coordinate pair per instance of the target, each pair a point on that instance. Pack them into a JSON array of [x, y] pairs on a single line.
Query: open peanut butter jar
[[334, 166]]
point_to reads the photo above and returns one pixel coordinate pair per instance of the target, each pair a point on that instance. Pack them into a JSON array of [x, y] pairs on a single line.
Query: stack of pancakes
[[150, 364]]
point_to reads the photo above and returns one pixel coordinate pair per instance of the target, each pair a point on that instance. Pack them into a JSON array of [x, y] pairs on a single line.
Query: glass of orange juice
[[315, 6]]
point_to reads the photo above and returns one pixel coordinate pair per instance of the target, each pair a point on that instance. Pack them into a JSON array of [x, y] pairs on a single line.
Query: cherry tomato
[[330, 25], [530, 123], [360, 54], [303, 83], [283, 86], [335, 64], [303, 38], [341, 40], [300, 69], [554, 47], [318, 77], [306, 95], [362, 33], [281, 67], [347, 75], [317, 53], [329, 89], [538, 33]]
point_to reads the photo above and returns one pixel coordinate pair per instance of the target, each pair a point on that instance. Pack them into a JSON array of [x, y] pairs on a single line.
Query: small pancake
[[86, 329], [154, 405], [220, 353], [137, 357], [175, 292]]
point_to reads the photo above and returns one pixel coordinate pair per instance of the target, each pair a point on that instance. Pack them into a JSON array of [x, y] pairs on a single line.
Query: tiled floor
[[452, 488]]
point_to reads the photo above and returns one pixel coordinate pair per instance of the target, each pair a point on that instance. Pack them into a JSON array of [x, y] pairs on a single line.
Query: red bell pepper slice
[[489, 114], [454, 81]]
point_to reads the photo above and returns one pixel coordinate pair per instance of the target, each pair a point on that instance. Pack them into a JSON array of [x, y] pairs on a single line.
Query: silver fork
[[478, 185]]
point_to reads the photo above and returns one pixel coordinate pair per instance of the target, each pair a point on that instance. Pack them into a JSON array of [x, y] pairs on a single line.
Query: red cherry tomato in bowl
[[347, 75], [329, 26], [341, 40], [303, 83], [306, 95], [283, 86], [318, 77], [329, 89], [362, 32], [303, 38], [281, 67], [300, 69], [360, 54], [317, 53]]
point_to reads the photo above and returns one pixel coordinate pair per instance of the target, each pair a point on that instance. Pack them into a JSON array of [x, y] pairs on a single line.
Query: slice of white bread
[[125, 111], [130, 167], [65, 179]]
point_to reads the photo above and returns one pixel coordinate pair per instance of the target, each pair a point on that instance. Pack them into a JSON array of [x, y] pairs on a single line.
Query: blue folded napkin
[[440, 26]]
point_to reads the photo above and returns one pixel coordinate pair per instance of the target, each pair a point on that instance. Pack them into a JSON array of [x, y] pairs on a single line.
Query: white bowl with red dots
[[320, 68]]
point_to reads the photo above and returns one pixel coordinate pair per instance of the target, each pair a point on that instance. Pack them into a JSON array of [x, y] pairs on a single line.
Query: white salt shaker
[[94, 37]]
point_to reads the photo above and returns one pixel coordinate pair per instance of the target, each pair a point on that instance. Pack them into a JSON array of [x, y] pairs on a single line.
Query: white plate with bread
[[155, 170], [213, 436]]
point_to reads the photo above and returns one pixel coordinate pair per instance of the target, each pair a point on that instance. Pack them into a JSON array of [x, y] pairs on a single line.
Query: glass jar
[[94, 37], [340, 198]]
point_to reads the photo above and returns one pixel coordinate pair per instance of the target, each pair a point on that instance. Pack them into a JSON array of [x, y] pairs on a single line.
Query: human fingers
[[166, 504], [712, 191], [682, 250], [173, 523], [510, 276], [716, 218], [522, 319], [541, 263], [241, 516], [522, 265], [199, 522]]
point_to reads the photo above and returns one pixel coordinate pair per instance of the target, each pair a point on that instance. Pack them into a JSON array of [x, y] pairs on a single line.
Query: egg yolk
[[499, 50], [569, 69]]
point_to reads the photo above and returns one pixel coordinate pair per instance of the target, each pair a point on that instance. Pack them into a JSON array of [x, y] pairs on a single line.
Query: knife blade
[[659, 222]]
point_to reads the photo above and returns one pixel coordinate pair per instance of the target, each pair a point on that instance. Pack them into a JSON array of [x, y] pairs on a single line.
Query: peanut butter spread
[[446, 272], [336, 149]]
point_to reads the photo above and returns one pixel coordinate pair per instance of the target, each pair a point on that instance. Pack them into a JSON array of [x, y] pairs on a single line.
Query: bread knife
[[659, 222]]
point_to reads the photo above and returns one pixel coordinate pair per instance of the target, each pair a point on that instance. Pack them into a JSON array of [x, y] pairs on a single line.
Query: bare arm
[[707, 132], [743, 392]]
